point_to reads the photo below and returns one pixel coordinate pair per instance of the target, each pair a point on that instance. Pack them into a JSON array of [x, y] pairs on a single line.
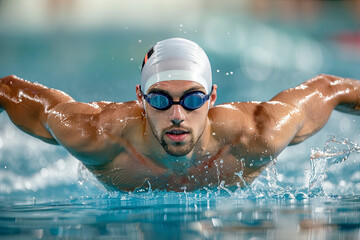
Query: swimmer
[[173, 136]]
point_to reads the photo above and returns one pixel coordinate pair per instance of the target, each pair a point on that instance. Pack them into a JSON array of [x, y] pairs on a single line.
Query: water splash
[[85, 176], [335, 151], [268, 186]]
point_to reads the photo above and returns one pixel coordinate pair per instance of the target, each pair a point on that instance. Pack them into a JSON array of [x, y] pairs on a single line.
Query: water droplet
[[140, 41], [217, 70], [60, 164], [44, 172], [131, 59]]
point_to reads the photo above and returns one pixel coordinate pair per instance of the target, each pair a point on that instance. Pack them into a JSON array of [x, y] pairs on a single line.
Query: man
[[172, 136]]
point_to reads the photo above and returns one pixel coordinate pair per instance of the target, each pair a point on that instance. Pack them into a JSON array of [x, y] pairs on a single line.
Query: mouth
[[177, 135]]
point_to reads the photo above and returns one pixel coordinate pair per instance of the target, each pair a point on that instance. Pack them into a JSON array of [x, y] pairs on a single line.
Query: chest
[[131, 169], [207, 173]]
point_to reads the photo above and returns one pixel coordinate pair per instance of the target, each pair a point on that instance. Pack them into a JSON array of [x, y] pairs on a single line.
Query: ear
[[213, 96], [139, 96]]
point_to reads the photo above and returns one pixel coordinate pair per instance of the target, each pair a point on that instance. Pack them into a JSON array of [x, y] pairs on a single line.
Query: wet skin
[[129, 145]]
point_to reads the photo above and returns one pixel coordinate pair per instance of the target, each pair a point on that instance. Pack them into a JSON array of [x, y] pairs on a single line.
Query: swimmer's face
[[177, 129]]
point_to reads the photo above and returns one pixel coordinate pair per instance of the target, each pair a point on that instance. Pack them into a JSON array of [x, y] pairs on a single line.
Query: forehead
[[177, 86]]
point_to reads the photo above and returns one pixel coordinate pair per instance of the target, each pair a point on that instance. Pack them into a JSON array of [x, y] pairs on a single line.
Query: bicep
[[89, 131], [315, 99], [74, 124]]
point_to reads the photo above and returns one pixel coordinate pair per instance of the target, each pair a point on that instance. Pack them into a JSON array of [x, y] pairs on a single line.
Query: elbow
[[326, 80], [8, 79]]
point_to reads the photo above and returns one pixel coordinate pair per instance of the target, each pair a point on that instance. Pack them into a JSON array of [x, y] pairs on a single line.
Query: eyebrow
[[193, 89]]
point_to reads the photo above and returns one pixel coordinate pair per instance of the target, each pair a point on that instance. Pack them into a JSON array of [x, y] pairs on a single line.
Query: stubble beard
[[176, 150]]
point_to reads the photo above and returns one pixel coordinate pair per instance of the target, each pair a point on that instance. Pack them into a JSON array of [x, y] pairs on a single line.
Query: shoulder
[[121, 118], [234, 112], [92, 127], [229, 120], [252, 124]]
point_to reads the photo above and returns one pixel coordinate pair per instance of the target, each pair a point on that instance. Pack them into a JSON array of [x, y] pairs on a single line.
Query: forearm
[[28, 104], [348, 95], [317, 98]]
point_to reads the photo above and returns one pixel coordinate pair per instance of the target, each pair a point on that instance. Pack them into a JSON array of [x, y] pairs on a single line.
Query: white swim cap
[[176, 59]]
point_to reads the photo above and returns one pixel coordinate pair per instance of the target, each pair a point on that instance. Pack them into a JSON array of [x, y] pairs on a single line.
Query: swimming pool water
[[182, 216], [45, 194]]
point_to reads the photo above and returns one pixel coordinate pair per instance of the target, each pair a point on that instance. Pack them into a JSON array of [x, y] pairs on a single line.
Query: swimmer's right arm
[[28, 105], [93, 132]]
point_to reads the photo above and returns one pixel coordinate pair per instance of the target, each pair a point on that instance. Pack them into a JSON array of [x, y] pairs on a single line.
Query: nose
[[177, 114]]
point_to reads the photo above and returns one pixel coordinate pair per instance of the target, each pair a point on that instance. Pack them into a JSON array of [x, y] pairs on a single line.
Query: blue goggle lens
[[194, 101], [158, 101], [189, 101]]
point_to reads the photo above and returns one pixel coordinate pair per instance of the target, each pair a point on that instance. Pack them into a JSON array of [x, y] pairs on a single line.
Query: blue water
[[164, 215], [312, 192]]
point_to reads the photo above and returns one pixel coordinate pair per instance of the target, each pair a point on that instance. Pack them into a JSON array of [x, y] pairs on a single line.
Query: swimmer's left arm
[[266, 128], [311, 103]]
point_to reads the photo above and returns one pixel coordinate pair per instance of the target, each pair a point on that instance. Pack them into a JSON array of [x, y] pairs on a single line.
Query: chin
[[178, 151], [177, 154]]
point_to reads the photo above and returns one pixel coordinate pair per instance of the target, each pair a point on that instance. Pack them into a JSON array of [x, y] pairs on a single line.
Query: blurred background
[[84, 45], [93, 50]]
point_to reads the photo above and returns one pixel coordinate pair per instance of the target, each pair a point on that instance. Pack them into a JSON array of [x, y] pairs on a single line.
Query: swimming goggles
[[189, 101]]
